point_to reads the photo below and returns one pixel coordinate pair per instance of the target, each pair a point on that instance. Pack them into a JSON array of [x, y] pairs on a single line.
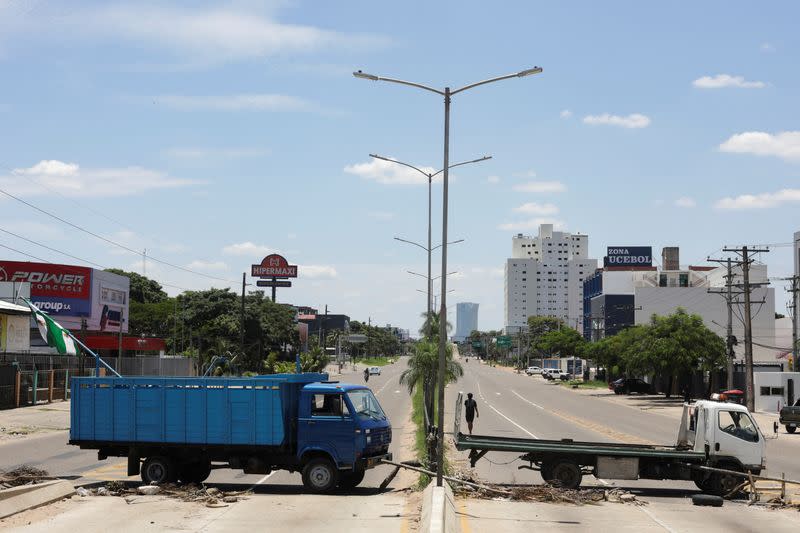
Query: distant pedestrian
[[366, 374], [687, 396], [470, 411]]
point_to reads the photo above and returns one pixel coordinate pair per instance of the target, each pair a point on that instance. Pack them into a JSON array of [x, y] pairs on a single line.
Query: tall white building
[[466, 320], [544, 277]]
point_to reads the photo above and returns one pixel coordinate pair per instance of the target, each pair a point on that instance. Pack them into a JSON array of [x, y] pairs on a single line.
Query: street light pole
[[430, 176], [447, 93]]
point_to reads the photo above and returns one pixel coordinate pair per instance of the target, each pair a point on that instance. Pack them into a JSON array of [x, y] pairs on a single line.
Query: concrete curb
[[18, 499], [439, 510]]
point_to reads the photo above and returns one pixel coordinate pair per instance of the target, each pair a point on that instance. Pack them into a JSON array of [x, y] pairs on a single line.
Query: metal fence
[[28, 379]]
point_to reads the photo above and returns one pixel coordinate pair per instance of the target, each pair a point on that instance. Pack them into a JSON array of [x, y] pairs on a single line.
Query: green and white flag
[[52, 332]]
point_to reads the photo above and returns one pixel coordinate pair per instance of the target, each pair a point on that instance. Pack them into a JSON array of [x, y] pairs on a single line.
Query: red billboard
[[63, 290], [274, 266]]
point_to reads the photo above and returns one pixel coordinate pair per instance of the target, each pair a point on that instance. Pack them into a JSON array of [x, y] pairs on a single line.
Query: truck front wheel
[[320, 475], [790, 429], [158, 470], [349, 479], [566, 474]]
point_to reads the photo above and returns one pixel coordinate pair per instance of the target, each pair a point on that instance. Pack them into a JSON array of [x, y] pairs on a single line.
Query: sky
[[213, 133]]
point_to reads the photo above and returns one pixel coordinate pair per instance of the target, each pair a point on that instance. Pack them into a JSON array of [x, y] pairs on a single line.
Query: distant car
[[531, 370], [565, 376], [374, 371], [552, 373], [630, 385]]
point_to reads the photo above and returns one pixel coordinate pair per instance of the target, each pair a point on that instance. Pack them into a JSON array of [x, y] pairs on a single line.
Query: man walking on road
[[470, 411]]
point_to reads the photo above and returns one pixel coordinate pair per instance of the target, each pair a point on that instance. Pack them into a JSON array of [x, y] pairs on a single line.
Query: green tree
[[431, 325], [564, 342], [422, 371], [143, 289]]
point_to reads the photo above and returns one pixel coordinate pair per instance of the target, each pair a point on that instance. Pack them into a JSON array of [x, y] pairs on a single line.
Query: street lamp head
[[530, 71], [365, 76]]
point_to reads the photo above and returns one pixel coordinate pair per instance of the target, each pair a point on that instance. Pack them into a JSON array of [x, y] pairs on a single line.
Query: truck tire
[[723, 484], [790, 429], [349, 479], [320, 475], [566, 474], [158, 469], [195, 472], [707, 500]]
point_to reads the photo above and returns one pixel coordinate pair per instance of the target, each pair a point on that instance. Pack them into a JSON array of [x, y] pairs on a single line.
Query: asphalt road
[[517, 405]]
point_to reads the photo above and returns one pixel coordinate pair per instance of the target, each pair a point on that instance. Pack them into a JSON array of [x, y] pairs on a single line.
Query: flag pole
[[97, 359]]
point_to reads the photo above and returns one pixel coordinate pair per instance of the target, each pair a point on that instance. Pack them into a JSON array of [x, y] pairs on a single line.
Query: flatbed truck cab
[[179, 429]]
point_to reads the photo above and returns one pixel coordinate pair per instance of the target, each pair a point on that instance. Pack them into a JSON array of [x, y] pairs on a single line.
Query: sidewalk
[[25, 422]]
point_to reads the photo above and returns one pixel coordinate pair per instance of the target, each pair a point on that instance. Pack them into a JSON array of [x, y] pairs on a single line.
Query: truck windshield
[[366, 405]]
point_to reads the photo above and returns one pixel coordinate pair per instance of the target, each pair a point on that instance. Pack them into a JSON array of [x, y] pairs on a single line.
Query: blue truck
[[178, 429]]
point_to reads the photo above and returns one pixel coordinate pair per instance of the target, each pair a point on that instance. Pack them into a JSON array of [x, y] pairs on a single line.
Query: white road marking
[[526, 400], [499, 413], [497, 393], [656, 520]]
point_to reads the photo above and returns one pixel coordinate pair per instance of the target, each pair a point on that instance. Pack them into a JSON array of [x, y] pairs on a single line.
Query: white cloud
[[248, 248], [208, 34], [760, 201], [317, 271], [726, 80], [785, 144], [685, 201], [70, 179], [532, 223], [497, 272], [494, 180], [632, 121], [381, 215], [541, 187], [767, 47], [207, 265], [202, 153], [238, 102], [566, 113], [533, 208], [388, 173]]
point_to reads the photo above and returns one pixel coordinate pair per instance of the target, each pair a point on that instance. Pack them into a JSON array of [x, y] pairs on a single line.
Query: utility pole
[[241, 336], [794, 288], [729, 301], [745, 263], [325, 331]]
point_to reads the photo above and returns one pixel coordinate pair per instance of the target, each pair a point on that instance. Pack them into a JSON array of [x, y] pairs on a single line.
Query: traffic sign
[[504, 341], [477, 344], [273, 283]]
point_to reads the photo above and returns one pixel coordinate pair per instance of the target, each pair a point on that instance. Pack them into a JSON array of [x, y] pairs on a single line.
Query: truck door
[[329, 426], [736, 435]]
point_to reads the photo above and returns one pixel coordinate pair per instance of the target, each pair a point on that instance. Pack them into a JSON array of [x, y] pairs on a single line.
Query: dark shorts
[[470, 419]]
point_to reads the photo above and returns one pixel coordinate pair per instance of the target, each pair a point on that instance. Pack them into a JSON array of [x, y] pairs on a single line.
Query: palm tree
[[430, 326], [422, 371]]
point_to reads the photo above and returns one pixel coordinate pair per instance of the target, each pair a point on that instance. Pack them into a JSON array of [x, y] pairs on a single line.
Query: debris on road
[[23, 475], [541, 493], [210, 496]]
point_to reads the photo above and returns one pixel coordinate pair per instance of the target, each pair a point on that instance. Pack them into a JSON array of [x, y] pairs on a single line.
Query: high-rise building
[[466, 320], [544, 277]]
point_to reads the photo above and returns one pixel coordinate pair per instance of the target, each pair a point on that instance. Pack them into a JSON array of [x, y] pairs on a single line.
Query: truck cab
[[726, 433], [341, 432]]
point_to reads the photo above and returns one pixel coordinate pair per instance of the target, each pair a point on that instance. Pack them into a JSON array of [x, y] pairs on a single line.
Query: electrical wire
[[112, 242]]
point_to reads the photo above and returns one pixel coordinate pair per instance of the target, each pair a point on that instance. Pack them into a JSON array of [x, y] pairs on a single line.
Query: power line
[[110, 241], [66, 254]]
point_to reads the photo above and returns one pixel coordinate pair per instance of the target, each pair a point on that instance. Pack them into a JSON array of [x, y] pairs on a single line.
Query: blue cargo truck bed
[[253, 411]]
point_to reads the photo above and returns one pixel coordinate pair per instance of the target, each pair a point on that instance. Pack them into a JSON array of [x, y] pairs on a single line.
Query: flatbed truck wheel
[[790, 429], [320, 475], [349, 479], [566, 474], [158, 469]]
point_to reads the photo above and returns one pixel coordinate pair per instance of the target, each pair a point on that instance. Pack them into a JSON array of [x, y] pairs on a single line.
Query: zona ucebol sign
[[629, 256]]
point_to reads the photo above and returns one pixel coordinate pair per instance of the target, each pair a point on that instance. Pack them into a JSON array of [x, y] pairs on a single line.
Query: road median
[[17, 499]]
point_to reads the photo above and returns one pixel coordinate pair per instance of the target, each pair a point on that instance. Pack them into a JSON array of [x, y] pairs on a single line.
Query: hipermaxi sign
[[274, 266], [629, 256]]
